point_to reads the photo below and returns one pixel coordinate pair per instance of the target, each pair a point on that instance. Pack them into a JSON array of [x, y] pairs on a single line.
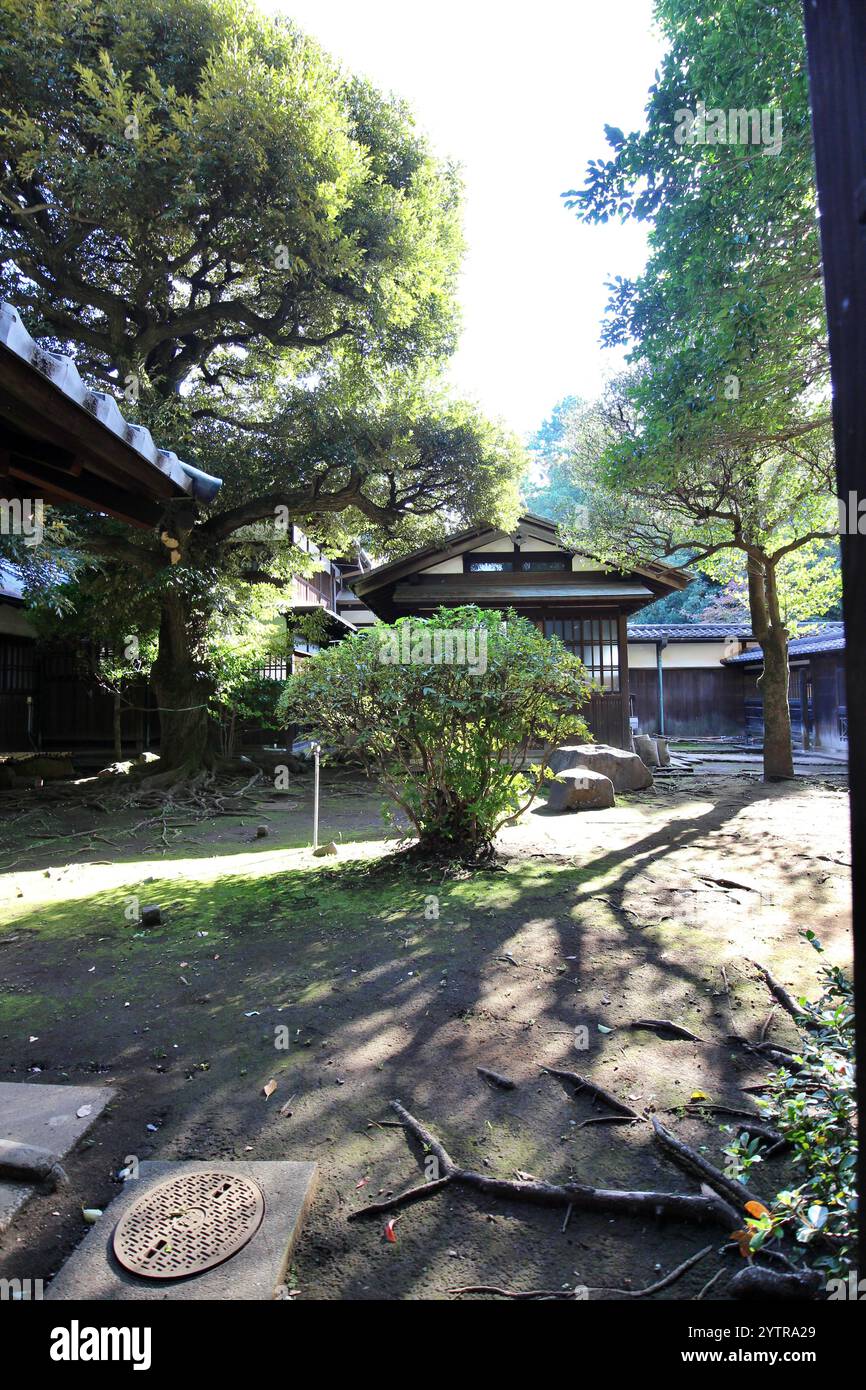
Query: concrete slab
[[255, 1272], [45, 1116]]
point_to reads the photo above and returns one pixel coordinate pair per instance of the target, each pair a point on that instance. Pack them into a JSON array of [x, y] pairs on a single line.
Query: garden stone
[[625, 769], [581, 789], [647, 750], [664, 755]]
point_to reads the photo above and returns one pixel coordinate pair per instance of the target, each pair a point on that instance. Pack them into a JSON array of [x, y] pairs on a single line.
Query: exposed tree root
[[707, 1206], [755, 1282], [581, 1083], [746, 1122], [779, 992], [585, 1290], [504, 1083], [664, 1025], [692, 1162], [781, 1056]]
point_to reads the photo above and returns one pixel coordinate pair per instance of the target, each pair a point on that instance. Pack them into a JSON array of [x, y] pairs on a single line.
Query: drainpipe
[[660, 646]]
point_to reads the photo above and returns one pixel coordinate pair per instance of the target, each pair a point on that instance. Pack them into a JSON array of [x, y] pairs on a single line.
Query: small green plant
[[813, 1107], [444, 711]]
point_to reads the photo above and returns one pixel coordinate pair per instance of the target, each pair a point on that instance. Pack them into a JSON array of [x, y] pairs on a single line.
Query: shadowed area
[[359, 980]]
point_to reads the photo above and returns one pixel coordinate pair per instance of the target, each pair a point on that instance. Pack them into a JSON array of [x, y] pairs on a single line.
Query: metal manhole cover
[[188, 1224]]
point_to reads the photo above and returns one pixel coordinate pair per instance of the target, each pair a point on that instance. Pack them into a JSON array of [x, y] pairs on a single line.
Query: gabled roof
[[535, 527]]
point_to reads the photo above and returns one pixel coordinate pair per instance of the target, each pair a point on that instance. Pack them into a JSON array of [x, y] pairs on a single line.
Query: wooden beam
[[84, 492], [836, 41]]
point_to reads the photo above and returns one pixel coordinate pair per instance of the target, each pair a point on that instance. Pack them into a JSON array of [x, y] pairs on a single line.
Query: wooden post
[[836, 40], [625, 740], [660, 646], [316, 751]]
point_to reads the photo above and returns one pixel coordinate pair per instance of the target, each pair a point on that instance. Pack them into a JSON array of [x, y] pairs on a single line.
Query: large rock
[[580, 789], [625, 769], [664, 754], [48, 767], [647, 750]]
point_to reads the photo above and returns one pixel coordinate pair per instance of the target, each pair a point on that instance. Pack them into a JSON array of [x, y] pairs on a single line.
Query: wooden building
[[699, 680], [679, 685], [531, 570], [816, 689], [61, 442]]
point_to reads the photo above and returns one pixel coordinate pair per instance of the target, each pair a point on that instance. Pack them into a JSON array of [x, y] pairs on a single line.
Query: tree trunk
[[768, 628], [188, 735], [117, 727]]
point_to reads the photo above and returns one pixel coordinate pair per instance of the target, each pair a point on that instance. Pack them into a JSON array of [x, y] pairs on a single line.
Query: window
[[595, 641], [488, 564], [544, 564], [502, 561]]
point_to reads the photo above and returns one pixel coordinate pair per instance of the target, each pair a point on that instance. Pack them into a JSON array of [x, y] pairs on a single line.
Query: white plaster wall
[[13, 621], [452, 566], [677, 655]]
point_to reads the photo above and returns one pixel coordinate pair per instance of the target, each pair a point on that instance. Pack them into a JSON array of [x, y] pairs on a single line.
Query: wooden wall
[[829, 710], [700, 702], [68, 709]]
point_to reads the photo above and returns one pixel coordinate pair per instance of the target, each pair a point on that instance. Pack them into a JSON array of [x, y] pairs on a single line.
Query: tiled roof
[[62, 372], [687, 632], [10, 584], [798, 646]]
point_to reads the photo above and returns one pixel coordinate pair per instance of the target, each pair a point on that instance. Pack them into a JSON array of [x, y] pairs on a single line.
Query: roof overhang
[[62, 442]]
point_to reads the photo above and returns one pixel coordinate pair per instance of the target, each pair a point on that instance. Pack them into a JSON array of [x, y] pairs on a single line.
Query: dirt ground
[[393, 985]]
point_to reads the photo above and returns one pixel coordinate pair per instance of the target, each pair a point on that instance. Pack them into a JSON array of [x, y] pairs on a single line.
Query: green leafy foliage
[[721, 446], [448, 738], [814, 1109], [258, 254]]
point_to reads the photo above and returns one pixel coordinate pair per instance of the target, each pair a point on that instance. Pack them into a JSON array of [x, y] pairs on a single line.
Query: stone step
[[47, 1118]]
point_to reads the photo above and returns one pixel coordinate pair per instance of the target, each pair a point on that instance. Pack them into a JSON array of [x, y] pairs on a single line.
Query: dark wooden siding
[[67, 708], [700, 702], [18, 688], [605, 719], [829, 711]]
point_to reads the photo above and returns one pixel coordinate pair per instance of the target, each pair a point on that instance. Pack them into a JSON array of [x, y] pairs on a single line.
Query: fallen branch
[[706, 1206]]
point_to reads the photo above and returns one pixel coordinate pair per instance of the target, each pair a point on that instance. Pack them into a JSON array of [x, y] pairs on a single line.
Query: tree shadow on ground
[[381, 1000]]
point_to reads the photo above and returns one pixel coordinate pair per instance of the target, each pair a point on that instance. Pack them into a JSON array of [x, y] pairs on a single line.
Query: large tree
[[735, 515], [723, 436], [259, 254]]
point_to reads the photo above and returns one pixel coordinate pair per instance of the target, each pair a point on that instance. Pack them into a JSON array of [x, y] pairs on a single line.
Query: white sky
[[518, 96]]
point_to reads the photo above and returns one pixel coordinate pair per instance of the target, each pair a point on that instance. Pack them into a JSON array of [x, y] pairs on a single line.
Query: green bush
[[812, 1105], [443, 710]]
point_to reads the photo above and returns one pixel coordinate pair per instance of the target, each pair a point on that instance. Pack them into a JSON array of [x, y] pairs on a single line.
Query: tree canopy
[[720, 445], [258, 252]]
